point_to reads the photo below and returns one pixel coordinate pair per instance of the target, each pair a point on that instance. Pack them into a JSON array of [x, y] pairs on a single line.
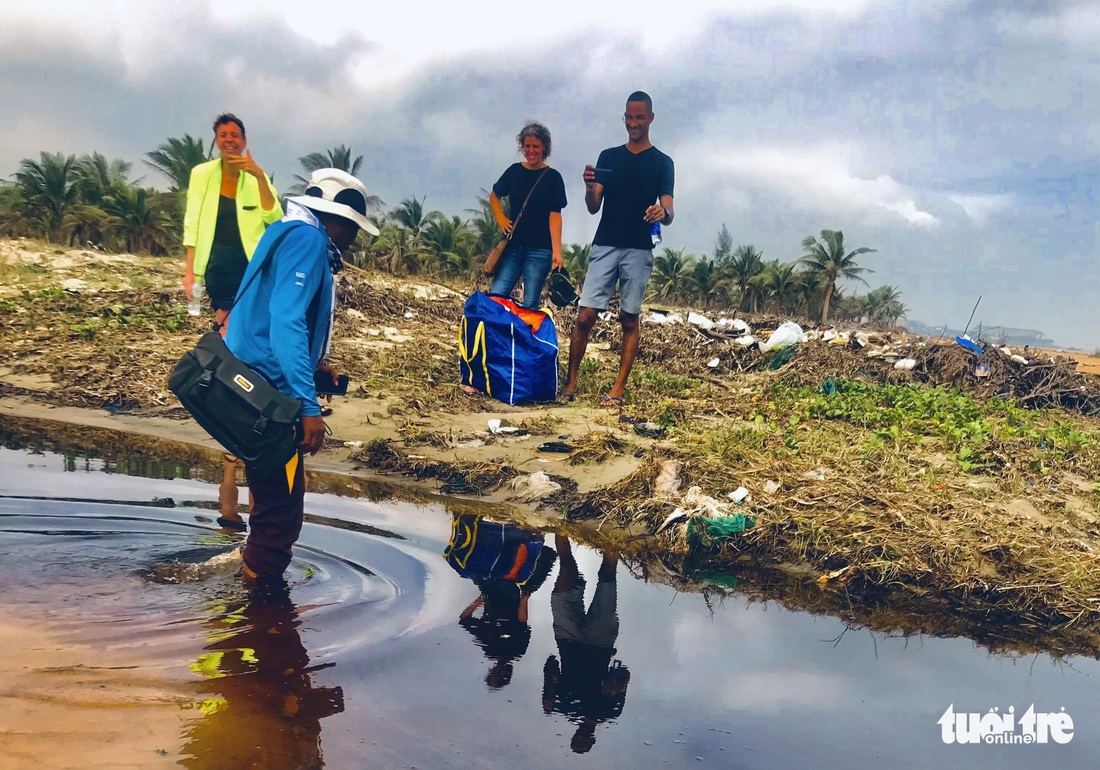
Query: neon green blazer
[[201, 216]]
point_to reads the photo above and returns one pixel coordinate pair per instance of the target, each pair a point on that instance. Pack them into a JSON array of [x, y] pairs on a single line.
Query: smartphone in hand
[[323, 383]]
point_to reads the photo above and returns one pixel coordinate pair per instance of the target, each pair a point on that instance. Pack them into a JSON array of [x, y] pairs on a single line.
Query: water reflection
[[507, 564], [261, 708], [584, 681]]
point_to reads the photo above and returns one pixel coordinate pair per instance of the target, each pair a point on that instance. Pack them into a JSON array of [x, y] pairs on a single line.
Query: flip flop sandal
[[565, 398], [556, 446], [612, 402], [233, 524]]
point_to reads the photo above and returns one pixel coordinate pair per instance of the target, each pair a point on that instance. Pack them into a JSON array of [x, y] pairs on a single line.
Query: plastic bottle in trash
[[655, 233], [194, 305]]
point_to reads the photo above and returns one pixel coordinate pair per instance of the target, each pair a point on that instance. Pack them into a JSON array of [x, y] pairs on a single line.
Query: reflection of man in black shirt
[[502, 630], [588, 686]]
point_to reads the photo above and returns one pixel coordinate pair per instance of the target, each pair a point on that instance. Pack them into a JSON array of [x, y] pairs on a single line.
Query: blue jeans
[[532, 264]]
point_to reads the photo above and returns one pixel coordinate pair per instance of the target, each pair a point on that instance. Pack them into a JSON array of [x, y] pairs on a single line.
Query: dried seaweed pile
[[109, 349], [358, 291], [1042, 383]]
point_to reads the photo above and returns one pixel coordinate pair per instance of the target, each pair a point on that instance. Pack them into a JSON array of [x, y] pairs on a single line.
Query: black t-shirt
[[635, 184], [533, 230]]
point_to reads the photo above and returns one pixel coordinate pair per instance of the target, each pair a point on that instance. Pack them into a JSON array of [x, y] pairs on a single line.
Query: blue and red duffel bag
[[507, 351]]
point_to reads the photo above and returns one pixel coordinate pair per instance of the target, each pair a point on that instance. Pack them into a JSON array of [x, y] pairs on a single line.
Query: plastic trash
[[505, 428], [981, 370], [649, 429], [788, 334], [771, 487], [556, 446], [739, 495], [905, 364], [829, 334], [700, 320], [534, 487], [668, 478], [713, 363], [745, 340], [969, 344]]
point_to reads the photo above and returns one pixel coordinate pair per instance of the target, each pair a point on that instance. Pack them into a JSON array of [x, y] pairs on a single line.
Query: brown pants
[[276, 520]]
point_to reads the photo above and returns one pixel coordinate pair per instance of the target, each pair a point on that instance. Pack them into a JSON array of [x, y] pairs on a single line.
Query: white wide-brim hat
[[337, 192]]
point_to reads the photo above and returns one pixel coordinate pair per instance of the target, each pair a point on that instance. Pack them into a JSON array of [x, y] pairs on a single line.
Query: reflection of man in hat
[[281, 326]]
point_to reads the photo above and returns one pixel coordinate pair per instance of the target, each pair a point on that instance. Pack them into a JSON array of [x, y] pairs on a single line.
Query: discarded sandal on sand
[[234, 524], [612, 402]]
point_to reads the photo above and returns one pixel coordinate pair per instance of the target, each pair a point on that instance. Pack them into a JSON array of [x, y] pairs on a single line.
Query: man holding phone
[[633, 183]]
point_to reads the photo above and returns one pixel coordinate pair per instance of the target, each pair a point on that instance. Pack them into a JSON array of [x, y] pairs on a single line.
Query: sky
[[961, 140]]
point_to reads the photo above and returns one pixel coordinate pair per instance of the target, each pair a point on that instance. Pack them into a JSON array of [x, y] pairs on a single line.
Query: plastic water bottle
[[655, 233], [194, 305]]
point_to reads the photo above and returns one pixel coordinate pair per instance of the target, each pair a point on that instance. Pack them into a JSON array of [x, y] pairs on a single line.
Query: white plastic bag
[[786, 335]]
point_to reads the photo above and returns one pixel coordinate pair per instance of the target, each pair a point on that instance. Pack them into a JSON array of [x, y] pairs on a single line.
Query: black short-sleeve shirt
[[636, 182], [533, 230]]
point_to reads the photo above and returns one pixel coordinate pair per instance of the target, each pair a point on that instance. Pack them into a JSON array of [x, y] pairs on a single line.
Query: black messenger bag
[[235, 405]]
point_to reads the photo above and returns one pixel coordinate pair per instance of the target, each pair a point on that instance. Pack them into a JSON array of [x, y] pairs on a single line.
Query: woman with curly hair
[[534, 245]]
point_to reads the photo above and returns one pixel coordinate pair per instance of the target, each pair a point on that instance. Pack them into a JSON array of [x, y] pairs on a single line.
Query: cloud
[[981, 207], [820, 179]]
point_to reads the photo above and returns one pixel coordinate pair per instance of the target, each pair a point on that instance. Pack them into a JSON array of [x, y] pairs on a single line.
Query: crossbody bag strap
[[523, 208]]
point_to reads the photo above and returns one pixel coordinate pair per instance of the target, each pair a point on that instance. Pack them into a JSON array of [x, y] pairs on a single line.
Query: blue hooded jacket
[[281, 321]]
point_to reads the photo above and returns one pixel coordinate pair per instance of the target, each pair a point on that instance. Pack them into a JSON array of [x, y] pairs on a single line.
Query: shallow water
[[362, 661]]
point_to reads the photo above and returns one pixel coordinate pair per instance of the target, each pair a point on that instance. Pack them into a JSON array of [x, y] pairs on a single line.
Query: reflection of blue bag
[[481, 549], [507, 351]]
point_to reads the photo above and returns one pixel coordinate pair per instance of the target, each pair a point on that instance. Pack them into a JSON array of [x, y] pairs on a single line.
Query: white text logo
[[995, 727]]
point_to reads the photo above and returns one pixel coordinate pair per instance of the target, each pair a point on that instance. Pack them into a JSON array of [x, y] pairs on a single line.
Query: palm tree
[[335, 157], [747, 263], [398, 248], [97, 177], [779, 284], [883, 304], [410, 215], [710, 282], [574, 257], [484, 223], [671, 273], [48, 190], [447, 240], [176, 157], [14, 221], [829, 258], [141, 219]]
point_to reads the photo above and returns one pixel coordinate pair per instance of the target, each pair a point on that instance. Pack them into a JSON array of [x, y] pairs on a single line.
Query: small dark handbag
[[490, 265], [235, 405]]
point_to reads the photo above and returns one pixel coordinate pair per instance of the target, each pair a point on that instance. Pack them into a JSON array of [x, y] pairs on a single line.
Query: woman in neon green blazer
[[230, 201]]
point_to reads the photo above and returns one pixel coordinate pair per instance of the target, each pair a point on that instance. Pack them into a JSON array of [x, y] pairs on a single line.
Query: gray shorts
[[598, 627], [608, 265]]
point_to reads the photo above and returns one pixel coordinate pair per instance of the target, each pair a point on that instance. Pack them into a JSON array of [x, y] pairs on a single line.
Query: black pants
[[224, 272], [278, 507]]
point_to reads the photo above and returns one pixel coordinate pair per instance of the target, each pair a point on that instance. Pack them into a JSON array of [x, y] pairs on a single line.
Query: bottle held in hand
[[194, 305], [655, 233]]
